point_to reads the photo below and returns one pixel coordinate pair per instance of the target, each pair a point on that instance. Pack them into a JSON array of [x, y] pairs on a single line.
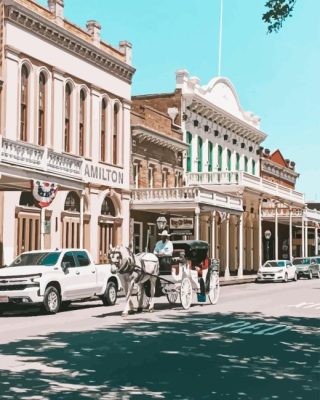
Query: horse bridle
[[128, 266]]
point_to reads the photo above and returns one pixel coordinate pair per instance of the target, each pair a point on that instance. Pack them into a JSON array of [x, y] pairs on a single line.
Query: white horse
[[135, 269]]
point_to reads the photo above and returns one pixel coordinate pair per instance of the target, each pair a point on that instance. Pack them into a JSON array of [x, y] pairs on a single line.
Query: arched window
[[24, 103], [67, 118], [82, 118], [72, 202], [108, 208], [219, 158], [42, 109], [103, 130], [199, 154], [115, 132], [189, 155], [253, 167], [246, 164], [210, 157], [27, 200]]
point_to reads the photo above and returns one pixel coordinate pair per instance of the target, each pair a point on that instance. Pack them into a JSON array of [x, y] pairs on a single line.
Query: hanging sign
[[44, 192]]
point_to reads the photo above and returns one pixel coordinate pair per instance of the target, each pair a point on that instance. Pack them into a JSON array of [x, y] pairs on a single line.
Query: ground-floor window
[[106, 239], [70, 232], [28, 232]]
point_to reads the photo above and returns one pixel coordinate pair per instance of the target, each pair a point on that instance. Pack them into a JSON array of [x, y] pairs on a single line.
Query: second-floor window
[[237, 161], [115, 133], [164, 178], [150, 177], [199, 154], [67, 119], [42, 109], [210, 156], [189, 155], [24, 103], [219, 158], [103, 133], [246, 164], [82, 118], [178, 179], [229, 160], [253, 167], [136, 175]]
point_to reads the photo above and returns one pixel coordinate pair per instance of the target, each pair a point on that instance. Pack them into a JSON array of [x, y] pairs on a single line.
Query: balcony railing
[[243, 179], [185, 195], [35, 157]]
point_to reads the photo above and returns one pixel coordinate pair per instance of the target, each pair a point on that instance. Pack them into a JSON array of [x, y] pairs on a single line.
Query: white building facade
[[65, 120], [223, 162]]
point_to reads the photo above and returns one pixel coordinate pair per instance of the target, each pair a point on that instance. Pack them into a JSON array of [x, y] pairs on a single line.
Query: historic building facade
[[65, 121], [224, 158]]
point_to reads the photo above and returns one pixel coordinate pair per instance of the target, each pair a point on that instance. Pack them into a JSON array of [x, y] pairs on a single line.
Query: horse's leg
[[141, 297], [129, 304], [152, 292]]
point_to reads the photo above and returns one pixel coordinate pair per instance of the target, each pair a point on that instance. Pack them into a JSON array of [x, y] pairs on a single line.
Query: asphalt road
[[261, 341]]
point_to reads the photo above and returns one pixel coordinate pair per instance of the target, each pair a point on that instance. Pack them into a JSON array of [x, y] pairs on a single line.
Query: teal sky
[[276, 76]]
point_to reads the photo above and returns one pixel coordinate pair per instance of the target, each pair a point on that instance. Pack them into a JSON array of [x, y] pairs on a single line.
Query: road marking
[[246, 327], [306, 305]]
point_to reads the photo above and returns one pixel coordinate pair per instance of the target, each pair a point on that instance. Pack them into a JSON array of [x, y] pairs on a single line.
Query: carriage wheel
[[146, 299], [214, 288], [186, 293], [172, 296]]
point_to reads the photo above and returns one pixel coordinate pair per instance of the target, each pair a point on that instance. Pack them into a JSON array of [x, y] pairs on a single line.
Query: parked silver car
[[307, 267]]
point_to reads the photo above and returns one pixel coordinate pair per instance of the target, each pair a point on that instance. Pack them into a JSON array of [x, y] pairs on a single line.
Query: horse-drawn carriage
[[188, 273]]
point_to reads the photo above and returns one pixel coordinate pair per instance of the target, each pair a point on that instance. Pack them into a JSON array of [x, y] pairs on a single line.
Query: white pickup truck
[[52, 278]]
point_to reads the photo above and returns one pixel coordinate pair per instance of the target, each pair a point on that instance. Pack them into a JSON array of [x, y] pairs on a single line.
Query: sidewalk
[[234, 280]]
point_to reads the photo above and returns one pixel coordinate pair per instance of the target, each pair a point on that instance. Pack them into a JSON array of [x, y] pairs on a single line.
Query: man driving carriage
[[163, 250]]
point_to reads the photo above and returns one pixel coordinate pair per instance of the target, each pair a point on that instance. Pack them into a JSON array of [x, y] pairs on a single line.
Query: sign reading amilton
[[103, 174]]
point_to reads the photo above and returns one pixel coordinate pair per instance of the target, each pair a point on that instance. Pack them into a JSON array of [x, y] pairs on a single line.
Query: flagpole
[[220, 38]]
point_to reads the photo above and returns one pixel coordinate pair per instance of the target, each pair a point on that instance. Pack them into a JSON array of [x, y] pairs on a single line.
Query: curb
[[239, 281]]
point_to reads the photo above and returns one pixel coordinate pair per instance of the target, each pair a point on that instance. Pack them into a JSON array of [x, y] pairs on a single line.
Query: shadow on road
[[233, 356]]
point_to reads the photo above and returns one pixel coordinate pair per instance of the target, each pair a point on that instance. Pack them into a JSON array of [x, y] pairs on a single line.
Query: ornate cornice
[[278, 171], [55, 34]]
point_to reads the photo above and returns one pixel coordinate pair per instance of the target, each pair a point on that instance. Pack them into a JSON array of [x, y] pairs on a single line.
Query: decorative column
[[196, 223], [302, 235], [306, 239], [276, 233], [251, 240], [227, 271], [42, 227], [260, 233], [213, 234], [290, 234], [240, 247], [81, 220]]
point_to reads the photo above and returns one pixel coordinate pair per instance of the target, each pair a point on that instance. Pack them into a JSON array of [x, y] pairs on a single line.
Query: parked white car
[[56, 277], [277, 270]]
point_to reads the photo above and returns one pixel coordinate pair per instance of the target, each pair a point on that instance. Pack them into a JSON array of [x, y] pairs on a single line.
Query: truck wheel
[[110, 295], [51, 300]]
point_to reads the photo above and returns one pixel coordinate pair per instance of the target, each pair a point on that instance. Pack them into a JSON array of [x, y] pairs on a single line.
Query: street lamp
[[267, 235], [161, 223]]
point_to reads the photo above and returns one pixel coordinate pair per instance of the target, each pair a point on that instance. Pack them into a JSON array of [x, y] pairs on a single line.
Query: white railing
[[36, 157], [180, 194], [22, 154], [185, 195], [64, 164], [243, 179], [312, 214]]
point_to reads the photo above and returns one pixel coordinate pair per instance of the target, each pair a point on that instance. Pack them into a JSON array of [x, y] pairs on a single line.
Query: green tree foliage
[[278, 11]]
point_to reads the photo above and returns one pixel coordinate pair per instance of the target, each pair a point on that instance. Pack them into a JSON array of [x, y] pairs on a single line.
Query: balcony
[[184, 197], [40, 158], [245, 180]]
